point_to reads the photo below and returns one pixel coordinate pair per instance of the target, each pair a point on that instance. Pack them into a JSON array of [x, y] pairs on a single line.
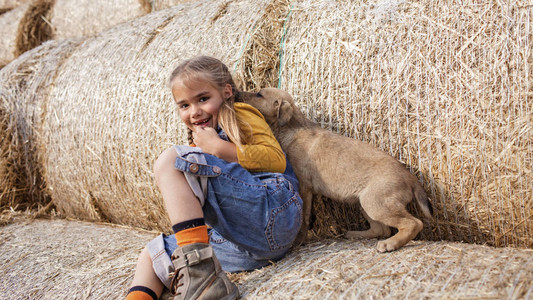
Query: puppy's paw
[[387, 246], [301, 238]]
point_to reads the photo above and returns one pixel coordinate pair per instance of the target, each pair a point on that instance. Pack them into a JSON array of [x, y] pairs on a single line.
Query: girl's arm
[[265, 154], [208, 139]]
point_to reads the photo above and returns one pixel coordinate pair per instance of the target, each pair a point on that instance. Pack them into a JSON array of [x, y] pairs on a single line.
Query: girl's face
[[199, 102]]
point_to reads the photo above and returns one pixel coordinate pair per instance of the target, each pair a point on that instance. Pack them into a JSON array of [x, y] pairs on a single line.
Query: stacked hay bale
[[164, 4], [7, 5], [447, 89], [26, 24], [110, 112], [8, 191], [24, 88], [88, 17], [101, 266], [8, 29], [24, 28]]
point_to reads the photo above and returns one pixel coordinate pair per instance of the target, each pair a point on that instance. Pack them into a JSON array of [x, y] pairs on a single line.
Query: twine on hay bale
[[111, 114], [24, 28], [101, 266], [260, 61], [447, 89], [78, 18], [24, 88], [450, 99]]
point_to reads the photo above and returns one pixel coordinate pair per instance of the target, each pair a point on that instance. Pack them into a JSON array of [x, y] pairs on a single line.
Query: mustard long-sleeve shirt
[[265, 154]]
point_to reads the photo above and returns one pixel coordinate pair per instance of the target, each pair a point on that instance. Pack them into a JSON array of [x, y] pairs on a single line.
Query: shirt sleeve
[[265, 154]]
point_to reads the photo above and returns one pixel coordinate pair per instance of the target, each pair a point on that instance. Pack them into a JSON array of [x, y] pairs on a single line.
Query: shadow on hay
[[23, 169], [332, 218], [450, 221], [24, 90]]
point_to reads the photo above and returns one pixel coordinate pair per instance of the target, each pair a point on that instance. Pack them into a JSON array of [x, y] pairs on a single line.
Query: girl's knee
[[144, 257], [165, 163]]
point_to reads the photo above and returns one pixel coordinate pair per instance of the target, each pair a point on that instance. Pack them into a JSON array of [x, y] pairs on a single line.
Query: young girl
[[235, 179]]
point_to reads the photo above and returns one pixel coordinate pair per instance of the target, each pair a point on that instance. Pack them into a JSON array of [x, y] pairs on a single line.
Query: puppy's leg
[[377, 230], [408, 227], [307, 198], [391, 211]]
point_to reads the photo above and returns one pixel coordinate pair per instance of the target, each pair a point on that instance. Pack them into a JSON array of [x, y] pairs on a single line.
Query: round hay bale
[[101, 266], [111, 113], [24, 28], [77, 18], [9, 24], [7, 5], [342, 269], [71, 260], [446, 89], [8, 190], [24, 88], [164, 4], [10, 4]]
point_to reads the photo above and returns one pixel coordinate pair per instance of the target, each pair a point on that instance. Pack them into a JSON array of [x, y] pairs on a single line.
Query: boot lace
[[175, 283]]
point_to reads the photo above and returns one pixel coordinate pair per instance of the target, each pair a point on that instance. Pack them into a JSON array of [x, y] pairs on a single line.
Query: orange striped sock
[[141, 293], [193, 235]]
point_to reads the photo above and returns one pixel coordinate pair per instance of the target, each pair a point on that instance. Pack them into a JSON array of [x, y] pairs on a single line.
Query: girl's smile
[[199, 102]]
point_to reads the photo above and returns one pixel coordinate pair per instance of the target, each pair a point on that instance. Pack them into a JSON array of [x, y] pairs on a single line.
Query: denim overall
[[254, 216]]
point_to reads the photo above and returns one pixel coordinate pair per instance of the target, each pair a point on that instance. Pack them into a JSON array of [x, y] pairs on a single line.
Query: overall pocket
[[284, 223]]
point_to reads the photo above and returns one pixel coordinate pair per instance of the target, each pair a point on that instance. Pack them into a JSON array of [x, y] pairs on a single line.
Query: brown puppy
[[346, 170]]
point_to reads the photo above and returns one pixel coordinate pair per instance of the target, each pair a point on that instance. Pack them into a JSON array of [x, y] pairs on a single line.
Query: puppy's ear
[[284, 112]]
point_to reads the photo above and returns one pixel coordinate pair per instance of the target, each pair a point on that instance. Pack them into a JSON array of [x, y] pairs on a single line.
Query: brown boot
[[198, 275]]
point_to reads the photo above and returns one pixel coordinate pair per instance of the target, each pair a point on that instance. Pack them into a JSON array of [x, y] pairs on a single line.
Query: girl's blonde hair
[[214, 72]]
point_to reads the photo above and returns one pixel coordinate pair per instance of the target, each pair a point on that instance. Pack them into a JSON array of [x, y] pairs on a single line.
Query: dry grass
[[164, 4], [10, 4], [58, 259], [7, 5], [8, 189], [9, 24], [77, 18], [341, 269], [446, 87], [34, 28], [110, 112], [24, 90], [259, 65], [24, 28], [68, 260]]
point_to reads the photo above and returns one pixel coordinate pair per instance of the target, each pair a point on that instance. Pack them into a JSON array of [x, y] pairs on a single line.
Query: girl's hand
[[207, 138], [203, 137]]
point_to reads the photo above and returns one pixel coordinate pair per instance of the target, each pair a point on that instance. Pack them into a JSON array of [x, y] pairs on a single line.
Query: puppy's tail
[[423, 201]]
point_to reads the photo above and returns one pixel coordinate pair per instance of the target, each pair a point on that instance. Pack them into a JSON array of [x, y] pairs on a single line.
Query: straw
[[111, 114], [24, 88], [164, 4], [260, 61], [23, 28], [445, 87], [9, 23], [78, 260], [7, 5], [88, 17]]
